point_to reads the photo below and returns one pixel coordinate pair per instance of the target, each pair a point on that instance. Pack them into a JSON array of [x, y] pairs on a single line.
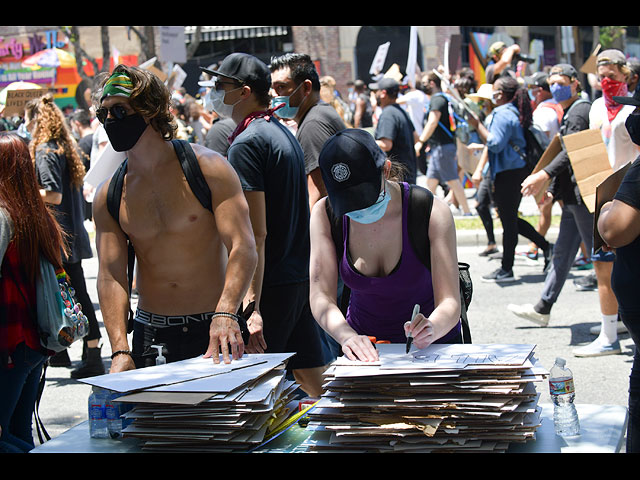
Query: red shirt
[[17, 308]]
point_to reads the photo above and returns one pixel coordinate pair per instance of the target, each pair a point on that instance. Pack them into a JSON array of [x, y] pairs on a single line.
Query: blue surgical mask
[[372, 213], [560, 92], [286, 111]]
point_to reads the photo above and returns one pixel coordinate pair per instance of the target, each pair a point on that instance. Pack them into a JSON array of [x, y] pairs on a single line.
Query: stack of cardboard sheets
[[444, 398], [198, 406]]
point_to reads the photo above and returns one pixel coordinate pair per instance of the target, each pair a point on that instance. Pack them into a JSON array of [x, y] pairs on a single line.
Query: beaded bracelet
[[226, 314], [120, 352]]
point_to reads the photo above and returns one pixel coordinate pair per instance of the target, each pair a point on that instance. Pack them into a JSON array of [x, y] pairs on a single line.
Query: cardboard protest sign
[[17, 99], [553, 149], [590, 162], [605, 193]]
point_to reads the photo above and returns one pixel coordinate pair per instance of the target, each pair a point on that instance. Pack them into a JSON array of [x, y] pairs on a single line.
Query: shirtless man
[[190, 263]]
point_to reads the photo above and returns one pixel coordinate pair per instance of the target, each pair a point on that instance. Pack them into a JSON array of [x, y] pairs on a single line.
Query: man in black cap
[[270, 164], [394, 132]]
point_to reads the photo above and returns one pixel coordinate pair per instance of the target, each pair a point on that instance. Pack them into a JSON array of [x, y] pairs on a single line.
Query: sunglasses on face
[[117, 111]]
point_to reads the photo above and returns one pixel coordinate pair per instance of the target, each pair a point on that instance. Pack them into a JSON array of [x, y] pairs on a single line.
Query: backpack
[[536, 143], [199, 187], [420, 205]]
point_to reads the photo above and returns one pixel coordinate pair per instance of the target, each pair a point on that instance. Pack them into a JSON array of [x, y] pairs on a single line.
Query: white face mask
[[215, 100]]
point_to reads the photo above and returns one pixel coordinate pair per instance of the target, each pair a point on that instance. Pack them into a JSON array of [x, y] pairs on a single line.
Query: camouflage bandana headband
[[118, 85]]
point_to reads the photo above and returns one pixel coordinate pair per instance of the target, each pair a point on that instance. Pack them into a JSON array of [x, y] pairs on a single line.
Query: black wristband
[[120, 352]]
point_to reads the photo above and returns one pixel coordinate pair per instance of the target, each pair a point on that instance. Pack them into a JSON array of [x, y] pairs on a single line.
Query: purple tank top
[[379, 306]]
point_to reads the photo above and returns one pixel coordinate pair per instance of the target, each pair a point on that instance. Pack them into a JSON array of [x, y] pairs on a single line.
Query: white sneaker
[[595, 330], [528, 313], [597, 349]]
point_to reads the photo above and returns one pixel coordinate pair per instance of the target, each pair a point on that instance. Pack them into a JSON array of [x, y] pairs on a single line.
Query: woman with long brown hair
[[27, 230], [60, 173]]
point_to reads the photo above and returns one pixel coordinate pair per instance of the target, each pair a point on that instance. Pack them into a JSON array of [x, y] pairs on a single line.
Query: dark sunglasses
[[117, 111]]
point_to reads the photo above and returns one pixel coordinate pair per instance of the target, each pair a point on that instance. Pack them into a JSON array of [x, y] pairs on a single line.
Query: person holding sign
[[609, 116], [619, 226], [576, 222]]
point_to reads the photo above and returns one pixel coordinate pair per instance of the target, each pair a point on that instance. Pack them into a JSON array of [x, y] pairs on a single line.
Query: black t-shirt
[[53, 175], [269, 159], [396, 125], [439, 102], [625, 277], [564, 186], [321, 122]]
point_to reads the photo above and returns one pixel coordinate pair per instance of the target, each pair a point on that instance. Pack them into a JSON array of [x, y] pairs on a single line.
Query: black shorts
[[289, 325]]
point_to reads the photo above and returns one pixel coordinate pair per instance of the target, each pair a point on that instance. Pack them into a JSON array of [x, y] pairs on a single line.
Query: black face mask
[[124, 134]]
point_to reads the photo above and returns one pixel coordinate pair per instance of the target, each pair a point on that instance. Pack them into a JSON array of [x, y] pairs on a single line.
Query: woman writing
[[27, 230], [377, 261], [511, 115]]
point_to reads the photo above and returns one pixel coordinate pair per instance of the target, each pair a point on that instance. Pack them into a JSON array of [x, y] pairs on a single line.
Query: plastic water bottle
[[114, 421], [562, 390], [98, 414]]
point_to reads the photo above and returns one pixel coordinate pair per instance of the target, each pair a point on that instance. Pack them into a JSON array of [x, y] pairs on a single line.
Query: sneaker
[[499, 276], [598, 349], [528, 313], [595, 330], [489, 251], [548, 255], [587, 283]]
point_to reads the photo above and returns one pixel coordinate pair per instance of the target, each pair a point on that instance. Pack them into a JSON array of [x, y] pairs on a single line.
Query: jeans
[[507, 197], [632, 322], [576, 225], [18, 393]]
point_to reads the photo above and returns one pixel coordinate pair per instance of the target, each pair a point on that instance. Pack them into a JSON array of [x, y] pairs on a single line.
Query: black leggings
[[484, 197], [507, 196]]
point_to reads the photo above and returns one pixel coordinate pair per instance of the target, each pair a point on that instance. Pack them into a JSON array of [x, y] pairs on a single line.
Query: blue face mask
[[560, 92], [372, 213], [286, 111]]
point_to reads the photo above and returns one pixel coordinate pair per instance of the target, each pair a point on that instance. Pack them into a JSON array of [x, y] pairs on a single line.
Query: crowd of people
[[264, 212]]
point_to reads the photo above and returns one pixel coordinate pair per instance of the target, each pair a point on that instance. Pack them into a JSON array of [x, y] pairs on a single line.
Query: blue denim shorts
[[443, 162]]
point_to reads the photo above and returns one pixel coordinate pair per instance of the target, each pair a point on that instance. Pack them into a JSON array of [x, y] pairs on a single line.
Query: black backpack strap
[[114, 197], [114, 194], [193, 173], [420, 206], [418, 215]]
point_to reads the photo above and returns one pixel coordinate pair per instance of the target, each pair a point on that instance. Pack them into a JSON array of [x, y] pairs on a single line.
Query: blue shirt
[[505, 127]]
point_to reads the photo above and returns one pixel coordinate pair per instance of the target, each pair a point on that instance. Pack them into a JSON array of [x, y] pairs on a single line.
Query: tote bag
[[60, 318]]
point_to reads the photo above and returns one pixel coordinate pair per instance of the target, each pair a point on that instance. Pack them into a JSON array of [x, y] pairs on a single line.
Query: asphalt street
[[599, 380]]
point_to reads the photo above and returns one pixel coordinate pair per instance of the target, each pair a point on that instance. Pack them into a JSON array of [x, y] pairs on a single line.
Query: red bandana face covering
[[613, 88], [250, 118]]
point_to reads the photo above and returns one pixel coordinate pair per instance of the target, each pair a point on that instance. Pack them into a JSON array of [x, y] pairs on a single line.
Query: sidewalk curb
[[478, 237]]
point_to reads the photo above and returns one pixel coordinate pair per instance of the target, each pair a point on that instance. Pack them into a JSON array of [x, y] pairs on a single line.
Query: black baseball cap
[[245, 69], [351, 164], [538, 79]]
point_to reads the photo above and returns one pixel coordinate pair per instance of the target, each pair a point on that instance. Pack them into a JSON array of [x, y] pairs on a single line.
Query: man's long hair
[[150, 98]]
